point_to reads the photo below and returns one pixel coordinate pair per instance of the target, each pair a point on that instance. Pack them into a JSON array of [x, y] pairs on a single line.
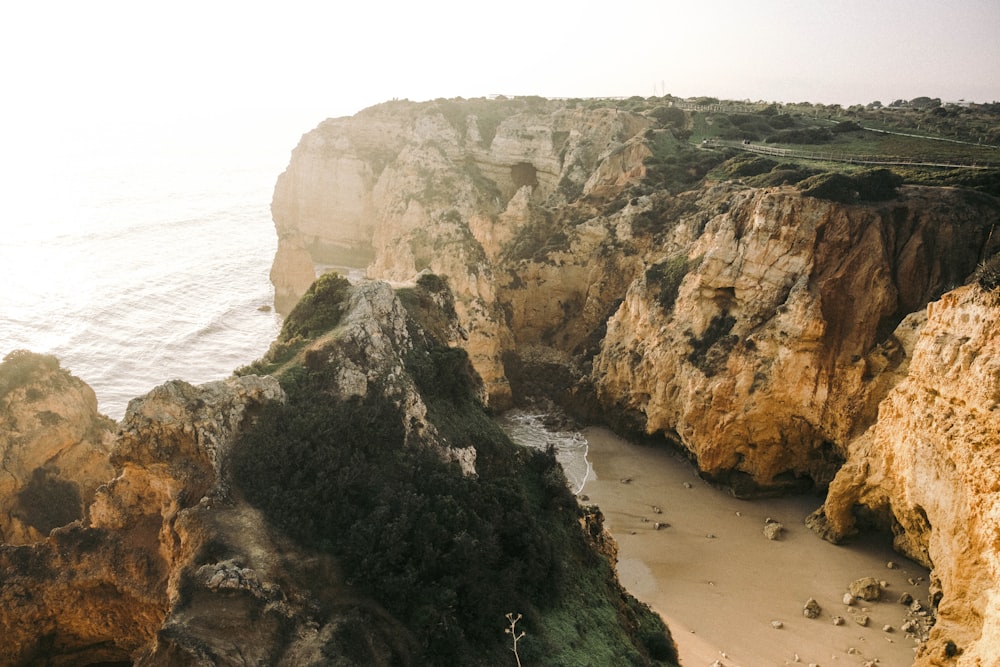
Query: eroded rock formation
[[928, 465], [770, 334], [400, 189], [102, 587], [772, 352], [54, 447], [169, 563]]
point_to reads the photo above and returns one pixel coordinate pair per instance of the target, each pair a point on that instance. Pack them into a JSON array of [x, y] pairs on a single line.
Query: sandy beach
[[720, 583]]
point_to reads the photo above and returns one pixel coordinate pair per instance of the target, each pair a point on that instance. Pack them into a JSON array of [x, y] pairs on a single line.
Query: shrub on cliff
[[801, 135], [319, 309], [747, 165], [666, 277], [48, 501], [869, 185], [446, 554], [677, 166], [877, 184], [669, 116], [987, 275], [317, 312], [21, 366], [830, 186]]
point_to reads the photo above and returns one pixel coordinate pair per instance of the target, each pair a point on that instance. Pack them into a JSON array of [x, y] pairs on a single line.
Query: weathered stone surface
[[866, 588], [54, 447], [399, 189], [775, 352], [796, 324], [101, 588], [929, 463], [168, 565]]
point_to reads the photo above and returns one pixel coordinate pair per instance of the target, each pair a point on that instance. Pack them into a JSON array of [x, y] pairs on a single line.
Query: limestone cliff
[[401, 188], [169, 565], [54, 447], [929, 465], [760, 344], [103, 587], [766, 331]]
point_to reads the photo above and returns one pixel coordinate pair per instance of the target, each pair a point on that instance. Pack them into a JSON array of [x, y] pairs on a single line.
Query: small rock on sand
[[905, 599], [811, 608], [777, 625], [848, 599], [838, 620], [861, 619], [773, 530], [866, 588]]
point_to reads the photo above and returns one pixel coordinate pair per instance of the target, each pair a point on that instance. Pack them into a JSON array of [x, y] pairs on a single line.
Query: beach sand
[[719, 583]]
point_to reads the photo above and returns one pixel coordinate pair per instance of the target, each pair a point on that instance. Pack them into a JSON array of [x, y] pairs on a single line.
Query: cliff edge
[[764, 318], [927, 468], [363, 510]]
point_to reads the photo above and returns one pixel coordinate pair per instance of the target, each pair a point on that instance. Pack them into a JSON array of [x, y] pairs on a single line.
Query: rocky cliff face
[[109, 586], [166, 564], [750, 325], [401, 188], [928, 466], [770, 352], [770, 334], [174, 555], [54, 447]]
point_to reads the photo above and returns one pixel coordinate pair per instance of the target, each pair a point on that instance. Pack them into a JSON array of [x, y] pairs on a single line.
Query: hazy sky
[[100, 64]]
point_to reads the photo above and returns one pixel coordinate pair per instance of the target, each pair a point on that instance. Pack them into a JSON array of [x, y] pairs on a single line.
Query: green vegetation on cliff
[[21, 367], [446, 554]]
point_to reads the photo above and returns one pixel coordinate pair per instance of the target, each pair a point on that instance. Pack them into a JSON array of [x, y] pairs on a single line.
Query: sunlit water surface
[[134, 269]]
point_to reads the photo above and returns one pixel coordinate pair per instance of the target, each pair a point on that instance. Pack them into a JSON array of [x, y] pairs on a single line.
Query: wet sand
[[720, 583]]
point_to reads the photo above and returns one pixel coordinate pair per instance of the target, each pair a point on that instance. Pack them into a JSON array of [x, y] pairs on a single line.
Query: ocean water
[[529, 429], [142, 266]]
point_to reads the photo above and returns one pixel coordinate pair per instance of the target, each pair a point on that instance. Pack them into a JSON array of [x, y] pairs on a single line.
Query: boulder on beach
[[866, 588]]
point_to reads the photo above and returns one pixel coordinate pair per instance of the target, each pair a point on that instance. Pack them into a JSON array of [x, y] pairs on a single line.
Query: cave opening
[[523, 173]]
